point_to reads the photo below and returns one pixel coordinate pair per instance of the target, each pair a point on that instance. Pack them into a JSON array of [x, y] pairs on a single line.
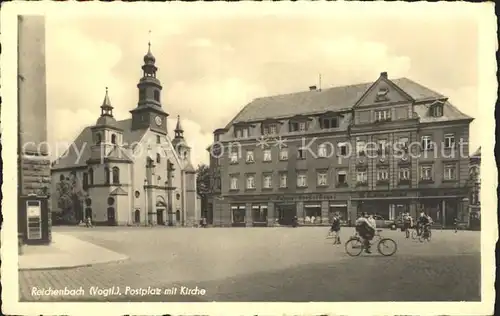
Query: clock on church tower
[[149, 112]]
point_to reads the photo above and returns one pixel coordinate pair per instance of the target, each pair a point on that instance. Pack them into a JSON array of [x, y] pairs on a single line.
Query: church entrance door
[[137, 216], [159, 216], [111, 216]]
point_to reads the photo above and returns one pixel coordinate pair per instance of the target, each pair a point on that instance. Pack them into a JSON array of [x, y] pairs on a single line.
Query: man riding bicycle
[[424, 223], [366, 230]]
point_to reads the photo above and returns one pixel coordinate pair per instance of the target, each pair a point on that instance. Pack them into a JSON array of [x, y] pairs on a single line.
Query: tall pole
[[319, 82], [145, 203]]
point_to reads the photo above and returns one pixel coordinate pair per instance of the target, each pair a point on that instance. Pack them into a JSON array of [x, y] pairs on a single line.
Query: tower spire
[[106, 107], [178, 128]]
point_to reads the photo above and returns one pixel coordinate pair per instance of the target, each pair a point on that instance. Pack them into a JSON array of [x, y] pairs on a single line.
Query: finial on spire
[[178, 128], [106, 102], [149, 40]]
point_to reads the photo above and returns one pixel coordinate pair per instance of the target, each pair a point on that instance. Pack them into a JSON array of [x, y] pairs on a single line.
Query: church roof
[[83, 143], [340, 98]]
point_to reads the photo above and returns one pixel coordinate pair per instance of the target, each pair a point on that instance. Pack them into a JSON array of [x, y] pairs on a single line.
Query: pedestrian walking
[[88, 222]]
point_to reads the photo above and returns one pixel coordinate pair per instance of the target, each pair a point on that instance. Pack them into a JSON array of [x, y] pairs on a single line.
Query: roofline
[[76, 167], [317, 113]]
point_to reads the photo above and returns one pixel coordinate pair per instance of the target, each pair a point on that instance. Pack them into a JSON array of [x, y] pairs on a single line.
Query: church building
[[129, 172]]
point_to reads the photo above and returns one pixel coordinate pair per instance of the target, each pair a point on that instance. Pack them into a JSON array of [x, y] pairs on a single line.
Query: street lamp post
[[145, 202]]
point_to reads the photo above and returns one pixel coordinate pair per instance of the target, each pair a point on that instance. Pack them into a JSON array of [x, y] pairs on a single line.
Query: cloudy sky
[[210, 67]]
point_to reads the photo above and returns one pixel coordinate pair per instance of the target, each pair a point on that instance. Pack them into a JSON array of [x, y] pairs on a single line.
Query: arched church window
[[142, 94], [157, 95], [113, 139], [158, 158], [61, 177], [106, 175], [98, 139], [116, 175], [91, 176]]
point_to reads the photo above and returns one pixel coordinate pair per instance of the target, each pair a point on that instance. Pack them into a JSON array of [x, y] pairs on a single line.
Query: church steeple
[[106, 107], [149, 112], [179, 132], [106, 117]]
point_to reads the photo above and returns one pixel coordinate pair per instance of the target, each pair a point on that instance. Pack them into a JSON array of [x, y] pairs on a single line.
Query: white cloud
[[200, 42], [208, 87]]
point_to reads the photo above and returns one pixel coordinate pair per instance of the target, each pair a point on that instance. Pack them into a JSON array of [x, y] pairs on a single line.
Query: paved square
[[265, 264]]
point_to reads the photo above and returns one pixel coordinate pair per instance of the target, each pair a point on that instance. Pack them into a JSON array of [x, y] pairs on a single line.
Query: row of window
[[322, 151], [312, 213], [383, 174], [111, 176]]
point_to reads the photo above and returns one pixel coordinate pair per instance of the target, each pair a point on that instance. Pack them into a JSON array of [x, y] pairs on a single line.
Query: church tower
[[106, 134], [179, 143], [149, 112]]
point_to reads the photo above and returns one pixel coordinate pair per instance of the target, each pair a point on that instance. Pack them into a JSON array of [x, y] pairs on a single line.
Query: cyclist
[[366, 229], [335, 229], [424, 223]]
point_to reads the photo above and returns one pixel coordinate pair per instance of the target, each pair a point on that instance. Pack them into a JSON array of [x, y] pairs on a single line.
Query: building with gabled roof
[[306, 154], [131, 172]]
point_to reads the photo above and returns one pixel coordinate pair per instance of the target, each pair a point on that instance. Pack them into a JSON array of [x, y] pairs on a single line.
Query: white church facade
[[130, 172]]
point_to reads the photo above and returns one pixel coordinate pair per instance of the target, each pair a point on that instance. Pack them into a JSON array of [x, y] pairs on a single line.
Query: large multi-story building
[[383, 147], [130, 172]]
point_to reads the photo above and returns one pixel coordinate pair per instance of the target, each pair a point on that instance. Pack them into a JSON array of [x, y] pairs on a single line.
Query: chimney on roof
[[383, 74], [312, 88]]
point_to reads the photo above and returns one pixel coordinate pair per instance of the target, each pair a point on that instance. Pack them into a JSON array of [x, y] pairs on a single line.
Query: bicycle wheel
[[414, 234], [429, 235], [354, 247], [387, 247]]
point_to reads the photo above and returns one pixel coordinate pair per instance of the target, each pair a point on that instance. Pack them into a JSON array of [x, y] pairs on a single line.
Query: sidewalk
[[65, 251]]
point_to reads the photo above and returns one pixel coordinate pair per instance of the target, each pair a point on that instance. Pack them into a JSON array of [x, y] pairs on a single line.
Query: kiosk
[[33, 220]]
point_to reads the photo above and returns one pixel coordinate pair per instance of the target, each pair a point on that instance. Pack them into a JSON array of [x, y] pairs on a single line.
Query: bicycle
[[356, 243], [426, 234]]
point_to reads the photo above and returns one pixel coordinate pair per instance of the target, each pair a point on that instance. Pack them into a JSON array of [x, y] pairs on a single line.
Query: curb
[[83, 265]]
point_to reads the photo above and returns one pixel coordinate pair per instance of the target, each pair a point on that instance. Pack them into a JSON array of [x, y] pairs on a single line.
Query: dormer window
[[241, 132], [382, 95], [298, 125], [270, 129], [329, 122], [437, 110]]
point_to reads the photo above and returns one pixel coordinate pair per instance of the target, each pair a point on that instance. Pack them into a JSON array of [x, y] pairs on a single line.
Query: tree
[[69, 198], [203, 181]]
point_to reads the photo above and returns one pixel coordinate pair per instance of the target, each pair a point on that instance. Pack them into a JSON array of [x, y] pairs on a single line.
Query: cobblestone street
[[266, 264]]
